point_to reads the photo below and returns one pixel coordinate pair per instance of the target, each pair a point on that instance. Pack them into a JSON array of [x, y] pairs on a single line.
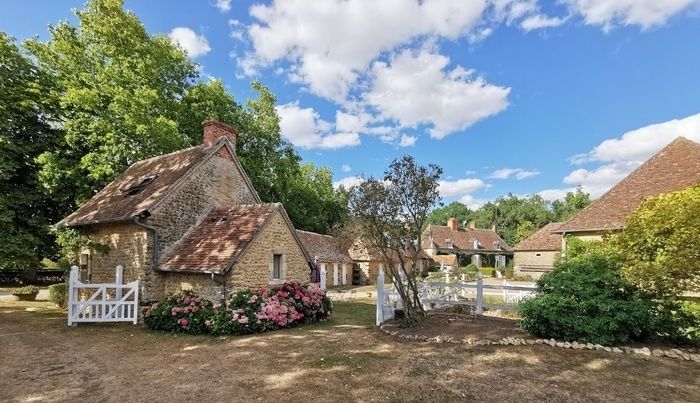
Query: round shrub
[[58, 294], [585, 299]]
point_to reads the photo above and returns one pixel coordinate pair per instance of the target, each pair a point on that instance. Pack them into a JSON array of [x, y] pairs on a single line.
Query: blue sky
[[508, 96]]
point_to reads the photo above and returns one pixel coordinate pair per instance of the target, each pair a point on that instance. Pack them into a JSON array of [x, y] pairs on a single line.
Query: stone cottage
[[368, 262], [325, 251], [189, 220], [675, 167], [536, 254], [475, 243]]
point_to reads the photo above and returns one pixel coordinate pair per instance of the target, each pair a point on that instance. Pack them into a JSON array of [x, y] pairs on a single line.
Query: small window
[[538, 254], [138, 187], [85, 267], [276, 266]]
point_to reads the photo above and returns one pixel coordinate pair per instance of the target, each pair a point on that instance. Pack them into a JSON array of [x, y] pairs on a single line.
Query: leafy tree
[[25, 211], [524, 230], [571, 204], [440, 215], [390, 214], [661, 242], [118, 89], [510, 211]]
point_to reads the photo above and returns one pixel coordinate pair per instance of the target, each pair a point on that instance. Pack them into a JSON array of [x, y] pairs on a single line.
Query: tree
[[390, 214], [571, 204], [25, 211], [440, 215], [524, 230], [118, 89], [508, 212], [660, 245]]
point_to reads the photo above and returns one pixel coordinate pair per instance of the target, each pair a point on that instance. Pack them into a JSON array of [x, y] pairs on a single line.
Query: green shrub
[[585, 299], [181, 312], [488, 271], [58, 294], [509, 273], [26, 290], [471, 268]]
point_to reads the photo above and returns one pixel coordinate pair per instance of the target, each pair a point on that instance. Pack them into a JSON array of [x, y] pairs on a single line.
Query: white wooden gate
[[108, 302]]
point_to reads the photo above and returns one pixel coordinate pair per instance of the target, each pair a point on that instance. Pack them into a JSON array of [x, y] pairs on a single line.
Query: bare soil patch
[[461, 327], [345, 359]]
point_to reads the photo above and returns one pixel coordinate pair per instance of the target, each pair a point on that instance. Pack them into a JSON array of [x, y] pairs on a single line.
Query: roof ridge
[[166, 155], [314, 233]]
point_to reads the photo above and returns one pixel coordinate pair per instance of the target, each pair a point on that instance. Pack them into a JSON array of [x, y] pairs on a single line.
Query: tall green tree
[[25, 132], [440, 215], [508, 212], [571, 204], [118, 89]]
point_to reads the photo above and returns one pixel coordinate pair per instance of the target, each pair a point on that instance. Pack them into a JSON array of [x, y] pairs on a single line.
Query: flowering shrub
[[182, 312], [245, 312]]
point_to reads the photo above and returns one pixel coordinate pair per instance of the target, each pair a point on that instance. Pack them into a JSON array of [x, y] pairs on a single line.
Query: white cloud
[[644, 13], [472, 202], [519, 173], [346, 168], [348, 182], [303, 127], [555, 194], [460, 187], [223, 5], [525, 13], [414, 88], [195, 45], [407, 141], [619, 156], [540, 21], [332, 42]]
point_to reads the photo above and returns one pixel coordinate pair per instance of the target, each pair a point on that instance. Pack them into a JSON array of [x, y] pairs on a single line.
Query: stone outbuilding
[[368, 262], [537, 254], [189, 220], [326, 253], [474, 243]]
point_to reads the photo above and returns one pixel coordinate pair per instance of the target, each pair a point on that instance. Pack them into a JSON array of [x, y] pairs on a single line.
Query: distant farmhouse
[[675, 167]]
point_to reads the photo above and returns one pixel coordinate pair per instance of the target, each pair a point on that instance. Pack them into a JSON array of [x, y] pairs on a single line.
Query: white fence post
[[480, 294], [323, 276], [380, 296], [72, 293]]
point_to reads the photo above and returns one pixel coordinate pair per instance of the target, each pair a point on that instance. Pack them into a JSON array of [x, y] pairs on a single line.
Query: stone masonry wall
[[217, 182], [131, 247], [527, 263], [254, 268]]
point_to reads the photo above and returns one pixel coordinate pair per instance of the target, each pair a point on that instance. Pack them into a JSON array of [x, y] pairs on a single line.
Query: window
[[85, 267], [449, 244], [276, 266]]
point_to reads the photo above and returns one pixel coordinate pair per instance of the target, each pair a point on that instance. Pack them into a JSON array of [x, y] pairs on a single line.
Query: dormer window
[[475, 244], [139, 186], [496, 245], [448, 243]]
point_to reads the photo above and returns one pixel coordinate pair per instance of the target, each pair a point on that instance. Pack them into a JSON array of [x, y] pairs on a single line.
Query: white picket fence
[[437, 295], [108, 302]]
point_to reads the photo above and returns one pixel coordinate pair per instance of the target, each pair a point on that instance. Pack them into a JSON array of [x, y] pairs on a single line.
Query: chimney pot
[[214, 130]]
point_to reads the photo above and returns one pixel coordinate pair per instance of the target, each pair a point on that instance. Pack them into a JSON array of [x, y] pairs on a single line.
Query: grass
[[344, 359]]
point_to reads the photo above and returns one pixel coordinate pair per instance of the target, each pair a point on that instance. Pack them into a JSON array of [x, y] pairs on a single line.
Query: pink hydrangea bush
[[181, 312], [245, 312]]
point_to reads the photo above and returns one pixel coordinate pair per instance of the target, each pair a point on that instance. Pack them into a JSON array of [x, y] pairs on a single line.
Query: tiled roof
[[543, 239], [217, 242], [675, 167], [462, 239], [325, 247], [114, 203]]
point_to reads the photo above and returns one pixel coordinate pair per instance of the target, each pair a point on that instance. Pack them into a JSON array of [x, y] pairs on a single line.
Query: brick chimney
[[472, 224], [214, 130], [452, 223]]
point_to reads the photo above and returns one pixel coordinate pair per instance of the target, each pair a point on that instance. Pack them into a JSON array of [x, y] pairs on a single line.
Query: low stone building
[[475, 243], [675, 167], [189, 220], [368, 262], [326, 253], [537, 254]]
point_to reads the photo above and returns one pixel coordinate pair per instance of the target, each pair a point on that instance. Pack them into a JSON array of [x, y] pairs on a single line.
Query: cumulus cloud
[[415, 88], [472, 202], [303, 127], [555, 194], [617, 157], [539, 21], [644, 13], [223, 5], [519, 173], [348, 182], [195, 45], [346, 168], [407, 141], [460, 186]]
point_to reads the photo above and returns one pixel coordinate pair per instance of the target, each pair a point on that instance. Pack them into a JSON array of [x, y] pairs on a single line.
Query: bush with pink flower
[[245, 312]]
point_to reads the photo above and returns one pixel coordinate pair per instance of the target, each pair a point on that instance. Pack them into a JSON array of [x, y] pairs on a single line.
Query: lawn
[[344, 359]]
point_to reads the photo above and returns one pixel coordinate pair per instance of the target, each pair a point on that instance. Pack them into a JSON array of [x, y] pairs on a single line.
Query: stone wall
[[201, 284], [131, 247], [254, 268], [534, 263], [217, 182]]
